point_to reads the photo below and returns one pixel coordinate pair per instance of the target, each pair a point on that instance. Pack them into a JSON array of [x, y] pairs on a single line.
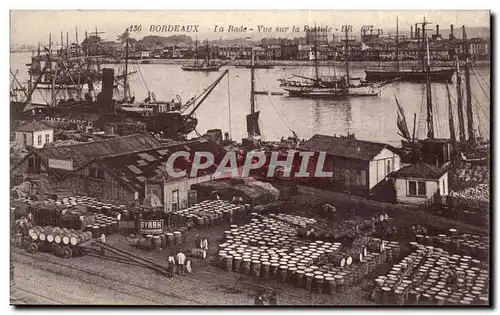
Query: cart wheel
[[66, 252], [32, 248], [56, 249]]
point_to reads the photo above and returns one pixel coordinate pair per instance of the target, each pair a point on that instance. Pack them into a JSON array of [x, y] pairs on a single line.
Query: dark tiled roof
[[420, 170], [137, 167], [350, 148], [85, 153], [34, 126]]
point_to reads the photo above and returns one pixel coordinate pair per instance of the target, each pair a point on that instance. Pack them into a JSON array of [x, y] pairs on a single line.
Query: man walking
[[171, 266], [273, 299], [181, 260]]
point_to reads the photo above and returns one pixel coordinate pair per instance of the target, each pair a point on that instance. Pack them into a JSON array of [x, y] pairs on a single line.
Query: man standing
[[171, 266], [259, 300], [181, 260]]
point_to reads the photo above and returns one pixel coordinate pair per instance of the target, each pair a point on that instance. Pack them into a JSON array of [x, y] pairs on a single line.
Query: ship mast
[[397, 43], [430, 122], [461, 123], [196, 50], [252, 85], [125, 72], [470, 122], [315, 53], [347, 54], [450, 120]]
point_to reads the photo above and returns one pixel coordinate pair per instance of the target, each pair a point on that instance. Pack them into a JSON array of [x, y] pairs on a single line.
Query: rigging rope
[[484, 80], [480, 86], [229, 107], [276, 109], [142, 77]]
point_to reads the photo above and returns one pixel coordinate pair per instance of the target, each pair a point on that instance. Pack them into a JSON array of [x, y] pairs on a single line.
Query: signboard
[[151, 227], [61, 164]]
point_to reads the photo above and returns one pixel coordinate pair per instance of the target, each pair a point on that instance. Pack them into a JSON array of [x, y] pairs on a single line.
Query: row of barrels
[[158, 242], [423, 277], [293, 220], [208, 213], [103, 225], [465, 244], [58, 235], [340, 230], [264, 233]]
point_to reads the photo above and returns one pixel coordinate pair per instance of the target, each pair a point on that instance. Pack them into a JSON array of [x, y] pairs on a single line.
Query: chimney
[[106, 96], [411, 32], [437, 29], [451, 30]]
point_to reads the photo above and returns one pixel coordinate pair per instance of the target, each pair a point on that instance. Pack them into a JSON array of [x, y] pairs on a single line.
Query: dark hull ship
[[408, 75]]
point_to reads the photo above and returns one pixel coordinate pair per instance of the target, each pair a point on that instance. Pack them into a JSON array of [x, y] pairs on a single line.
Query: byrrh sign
[[151, 227]]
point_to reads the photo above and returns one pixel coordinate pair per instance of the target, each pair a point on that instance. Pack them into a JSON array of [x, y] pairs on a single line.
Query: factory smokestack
[[437, 29], [105, 98], [411, 32], [452, 36]]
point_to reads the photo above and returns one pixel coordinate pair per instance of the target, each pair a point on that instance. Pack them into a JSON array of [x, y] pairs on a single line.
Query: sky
[[31, 27]]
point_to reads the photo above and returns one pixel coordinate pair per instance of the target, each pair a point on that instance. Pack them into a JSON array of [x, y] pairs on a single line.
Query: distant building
[[419, 183], [315, 37], [34, 134]]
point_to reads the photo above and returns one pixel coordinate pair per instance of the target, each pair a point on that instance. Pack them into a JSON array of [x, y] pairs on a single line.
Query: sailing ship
[[418, 73], [205, 66], [318, 87], [470, 149]]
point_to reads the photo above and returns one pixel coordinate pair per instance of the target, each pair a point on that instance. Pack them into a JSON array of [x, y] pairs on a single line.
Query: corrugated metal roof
[[420, 170], [350, 148], [136, 167], [84, 153]]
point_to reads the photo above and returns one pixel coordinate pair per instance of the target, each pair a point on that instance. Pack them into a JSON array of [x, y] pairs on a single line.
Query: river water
[[369, 118]]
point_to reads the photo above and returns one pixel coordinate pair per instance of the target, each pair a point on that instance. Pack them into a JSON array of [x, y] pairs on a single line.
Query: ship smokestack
[[105, 98]]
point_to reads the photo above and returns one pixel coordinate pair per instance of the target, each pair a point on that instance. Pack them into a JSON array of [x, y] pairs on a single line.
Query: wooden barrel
[[273, 270], [228, 263], [339, 283], [200, 222], [264, 269], [255, 268], [245, 266], [66, 238], [348, 260], [156, 242], [163, 240], [318, 283], [299, 278], [103, 228], [198, 253], [170, 239], [283, 273], [177, 237], [308, 281], [329, 285], [237, 260], [75, 239], [338, 260]]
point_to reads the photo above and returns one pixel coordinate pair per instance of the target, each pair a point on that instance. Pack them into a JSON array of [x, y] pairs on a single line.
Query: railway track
[[73, 268]]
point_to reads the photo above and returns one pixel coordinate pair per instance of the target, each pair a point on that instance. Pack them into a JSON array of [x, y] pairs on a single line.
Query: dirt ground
[[94, 279]]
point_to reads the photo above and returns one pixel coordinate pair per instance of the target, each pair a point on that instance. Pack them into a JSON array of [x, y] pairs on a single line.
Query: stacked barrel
[[463, 244], [269, 248], [208, 213], [293, 220], [160, 241], [103, 225], [432, 276], [60, 236]]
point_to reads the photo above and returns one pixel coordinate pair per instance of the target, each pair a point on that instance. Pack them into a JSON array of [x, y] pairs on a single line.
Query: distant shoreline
[[295, 63]]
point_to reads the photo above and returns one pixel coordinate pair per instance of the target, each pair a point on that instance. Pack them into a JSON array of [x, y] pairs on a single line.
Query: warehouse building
[[34, 134], [358, 166], [145, 171], [77, 169]]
